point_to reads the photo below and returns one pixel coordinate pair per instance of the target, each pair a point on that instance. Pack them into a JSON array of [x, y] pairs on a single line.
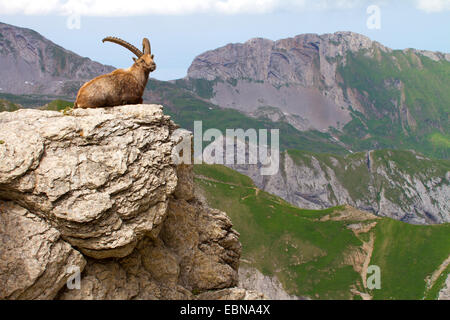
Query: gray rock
[[232, 294], [296, 75], [444, 293], [104, 182], [102, 177], [253, 280], [277, 62], [299, 76], [384, 188], [34, 260]]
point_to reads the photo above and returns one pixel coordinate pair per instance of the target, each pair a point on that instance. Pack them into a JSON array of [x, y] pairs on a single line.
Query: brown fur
[[120, 87]]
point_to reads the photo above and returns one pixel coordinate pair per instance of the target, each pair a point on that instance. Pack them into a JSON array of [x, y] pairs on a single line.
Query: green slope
[[185, 107], [407, 254], [15, 102], [395, 175], [31, 100], [407, 105], [6, 105], [57, 105], [311, 256]]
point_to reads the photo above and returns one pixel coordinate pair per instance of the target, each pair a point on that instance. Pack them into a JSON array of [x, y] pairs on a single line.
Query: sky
[[179, 30]]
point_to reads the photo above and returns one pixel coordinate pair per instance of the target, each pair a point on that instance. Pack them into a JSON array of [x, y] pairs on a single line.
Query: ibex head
[[144, 59]]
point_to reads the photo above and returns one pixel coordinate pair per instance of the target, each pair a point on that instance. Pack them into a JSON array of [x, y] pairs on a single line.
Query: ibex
[[122, 86]]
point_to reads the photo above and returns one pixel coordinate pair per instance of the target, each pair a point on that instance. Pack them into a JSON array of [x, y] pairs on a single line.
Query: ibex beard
[[122, 86]]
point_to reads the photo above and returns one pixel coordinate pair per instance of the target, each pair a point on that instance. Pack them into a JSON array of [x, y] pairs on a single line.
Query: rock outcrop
[[33, 257], [252, 279], [444, 293], [31, 63], [97, 191]]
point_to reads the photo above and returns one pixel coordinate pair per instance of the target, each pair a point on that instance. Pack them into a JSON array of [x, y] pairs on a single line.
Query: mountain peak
[[257, 57], [315, 79]]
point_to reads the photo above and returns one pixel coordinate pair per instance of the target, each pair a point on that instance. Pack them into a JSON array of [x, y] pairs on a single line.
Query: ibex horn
[[125, 44], [146, 46]]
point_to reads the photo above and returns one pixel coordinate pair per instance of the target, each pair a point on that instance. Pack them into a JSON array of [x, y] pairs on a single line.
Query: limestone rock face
[[296, 76], [321, 182], [102, 177], [444, 293], [276, 61], [203, 240], [297, 80], [33, 257], [253, 280], [98, 190]]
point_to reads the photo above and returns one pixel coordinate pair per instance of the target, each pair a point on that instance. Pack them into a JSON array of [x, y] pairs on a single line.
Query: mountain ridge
[[367, 95], [403, 185], [184, 105], [31, 64], [341, 41]]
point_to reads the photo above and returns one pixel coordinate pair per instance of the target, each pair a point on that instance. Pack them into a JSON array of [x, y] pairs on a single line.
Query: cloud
[[118, 8], [167, 7], [433, 5], [28, 7]]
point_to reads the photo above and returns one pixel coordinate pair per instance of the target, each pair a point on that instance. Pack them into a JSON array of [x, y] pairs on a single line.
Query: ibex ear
[[134, 59], [152, 56]]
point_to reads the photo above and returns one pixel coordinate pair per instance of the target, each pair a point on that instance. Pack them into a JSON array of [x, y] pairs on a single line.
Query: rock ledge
[[97, 191]]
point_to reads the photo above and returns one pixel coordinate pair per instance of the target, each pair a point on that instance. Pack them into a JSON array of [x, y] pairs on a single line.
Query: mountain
[[328, 254], [185, 107], [32, 64], [365, 94], [403, 185], [292, 74], [6, 105], [186, 250], [342, 58]]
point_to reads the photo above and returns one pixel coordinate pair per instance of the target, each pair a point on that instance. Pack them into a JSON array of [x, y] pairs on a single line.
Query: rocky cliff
[[97, 191], [30, 63], [402, 185], [296, 75]]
